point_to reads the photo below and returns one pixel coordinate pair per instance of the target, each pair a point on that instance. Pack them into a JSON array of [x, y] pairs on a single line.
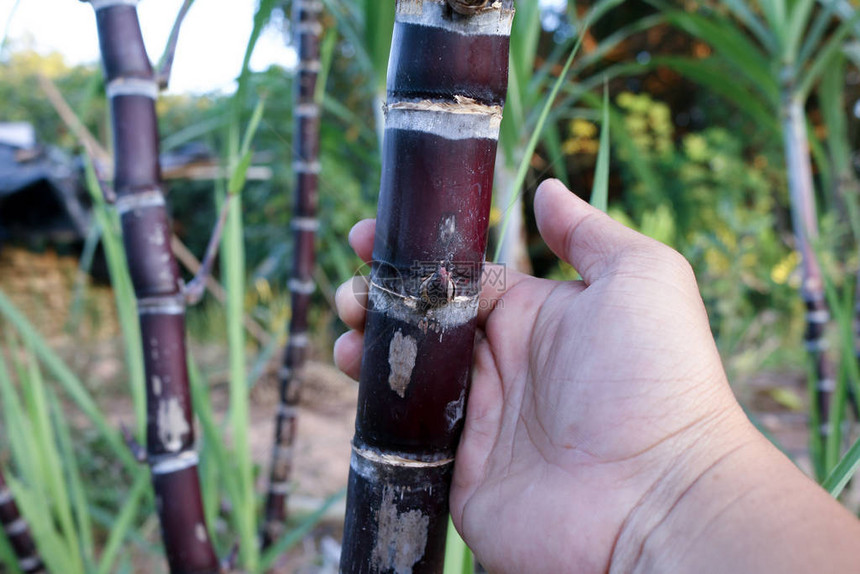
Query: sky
[[211, 44]]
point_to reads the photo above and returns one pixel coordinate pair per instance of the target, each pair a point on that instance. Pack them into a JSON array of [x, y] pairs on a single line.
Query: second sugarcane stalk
[[447, 80], [132, 89], [805, 224], [307, 30], [18, 532]]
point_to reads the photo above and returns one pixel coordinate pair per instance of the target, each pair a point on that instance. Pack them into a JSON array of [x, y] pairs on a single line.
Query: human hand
[[595, 407]]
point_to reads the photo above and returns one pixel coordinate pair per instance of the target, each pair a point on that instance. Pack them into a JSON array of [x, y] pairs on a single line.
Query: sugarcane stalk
[[447, 81], [307, 30], [18, 532], [132, 90], [805, 224]]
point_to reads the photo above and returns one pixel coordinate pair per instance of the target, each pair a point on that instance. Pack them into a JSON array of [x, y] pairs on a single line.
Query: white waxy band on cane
[[133, 87], [307, 167], [280, 487], [314, 28], [819, 316], [29, 563], [5, 496], [161, 306], [309, 5], [492, 21], [16, 527], [826, 385], [365, 462], [172, 464], [302, 287], [817, 346], [307, 111], [298, 340], [102, 4], [305, 224], [287, 411], [139, 200], [459, 120], [312, 66]]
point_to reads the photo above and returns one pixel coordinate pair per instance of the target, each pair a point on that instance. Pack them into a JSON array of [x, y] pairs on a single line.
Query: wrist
[[710, 469]]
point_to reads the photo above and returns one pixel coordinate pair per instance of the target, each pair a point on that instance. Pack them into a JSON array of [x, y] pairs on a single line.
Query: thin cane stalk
[[805, 224], [447, 81], [18, 532], [306, 113], [132, 90]]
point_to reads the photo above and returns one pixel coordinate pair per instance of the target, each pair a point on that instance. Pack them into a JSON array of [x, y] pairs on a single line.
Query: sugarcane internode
[[447, 80]]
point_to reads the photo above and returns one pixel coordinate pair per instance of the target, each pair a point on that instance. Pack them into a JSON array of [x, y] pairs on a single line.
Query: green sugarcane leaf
[[51, 547], [844, 471], [740, 8], [600, 188], [458, 557], [774, 13], [301, 530], [213, 443], [552, 144], [79, 499], [535, 137], [70, 383], [350, 22], [327, 46], [37, 402], [122, 525], [734, 46], [124, 296], [378, 29], [797, 24], [193, 132], [813, 37], [712, 75], [239, 175], [19, 436], [826, 55], [8, 559], [240, 172]]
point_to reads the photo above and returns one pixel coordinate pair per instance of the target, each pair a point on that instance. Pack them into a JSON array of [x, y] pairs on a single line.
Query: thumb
[[584, 236]]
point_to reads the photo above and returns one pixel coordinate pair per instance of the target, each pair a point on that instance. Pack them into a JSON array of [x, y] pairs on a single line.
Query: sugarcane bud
[[467, 7], [437, 289]]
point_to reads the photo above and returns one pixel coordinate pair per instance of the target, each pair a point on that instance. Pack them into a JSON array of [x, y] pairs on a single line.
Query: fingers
[[351, 302], [582, 235], [361, 238], [347, 353]]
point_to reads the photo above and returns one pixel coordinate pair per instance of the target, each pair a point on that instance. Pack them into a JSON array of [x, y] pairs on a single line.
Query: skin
[[601, 434]]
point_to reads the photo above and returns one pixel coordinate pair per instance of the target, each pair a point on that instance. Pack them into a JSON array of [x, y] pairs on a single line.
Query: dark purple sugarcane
[[132, 90], [447, 79], [18, 532], [307, 30]]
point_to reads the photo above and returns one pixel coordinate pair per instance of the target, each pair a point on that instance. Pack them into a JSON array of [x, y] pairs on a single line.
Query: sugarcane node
[[467, 7]]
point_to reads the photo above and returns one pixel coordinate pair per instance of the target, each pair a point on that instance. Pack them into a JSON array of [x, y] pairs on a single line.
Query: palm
[[579, 390], [566, 394]]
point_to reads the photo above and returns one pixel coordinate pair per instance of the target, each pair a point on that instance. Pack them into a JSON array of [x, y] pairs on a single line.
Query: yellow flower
[[781, 272]]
